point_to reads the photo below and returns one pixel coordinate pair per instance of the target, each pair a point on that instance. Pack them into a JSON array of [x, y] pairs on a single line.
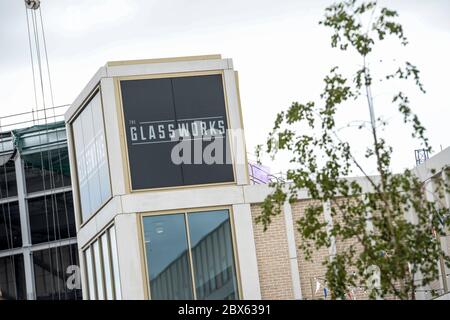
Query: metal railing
[[260, 176], [33, 117]]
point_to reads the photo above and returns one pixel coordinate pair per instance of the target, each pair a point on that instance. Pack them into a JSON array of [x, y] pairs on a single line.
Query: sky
[[280, 51]]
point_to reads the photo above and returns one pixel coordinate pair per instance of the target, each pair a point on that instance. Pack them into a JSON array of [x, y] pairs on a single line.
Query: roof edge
[[164, 60]]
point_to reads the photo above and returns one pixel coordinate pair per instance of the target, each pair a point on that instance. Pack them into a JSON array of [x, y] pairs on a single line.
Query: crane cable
[[36, 42], [57, 139], [34, 6]]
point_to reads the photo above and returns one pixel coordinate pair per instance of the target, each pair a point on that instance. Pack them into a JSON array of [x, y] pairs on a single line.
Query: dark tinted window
[[46, 170], [10, 231], [202, 98], [8, 183], [155, 110], [53, 269], [12, 278], [51, 217]]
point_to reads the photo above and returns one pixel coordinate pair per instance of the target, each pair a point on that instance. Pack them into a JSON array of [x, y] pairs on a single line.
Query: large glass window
[[51, 217], [46, 170], [98, 263], [10, 230], [167, 250], [12, 278], [181, 245], [102, 268], [91, 159], [212, 255], [90, 273], [51, 273], [109, 290], [8, 182], [115, 263]]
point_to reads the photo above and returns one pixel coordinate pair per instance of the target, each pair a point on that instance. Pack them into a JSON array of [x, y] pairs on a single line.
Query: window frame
[[122, 129], [110, 232], [73, 161], [52, 210], [185, 212], [55, 148]]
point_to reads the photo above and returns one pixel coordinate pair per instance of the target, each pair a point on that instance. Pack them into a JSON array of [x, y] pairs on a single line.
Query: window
[[90, 273], [167, 250], [46, 170], [52, 272], [8, 182], [102, 268], [212, 255], [91, 159], [98, 263], [12, 278], [51, 217], [190, 255], [115, 263], [155, 110], [107, 267], [10, 230]]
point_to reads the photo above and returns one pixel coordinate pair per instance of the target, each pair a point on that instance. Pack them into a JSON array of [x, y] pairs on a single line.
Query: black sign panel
[[176, 131]]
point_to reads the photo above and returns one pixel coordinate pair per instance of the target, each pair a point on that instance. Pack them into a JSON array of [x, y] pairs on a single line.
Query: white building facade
[[151, 229]]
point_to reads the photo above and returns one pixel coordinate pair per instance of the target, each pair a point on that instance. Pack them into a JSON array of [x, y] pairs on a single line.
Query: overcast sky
[[280, 51]]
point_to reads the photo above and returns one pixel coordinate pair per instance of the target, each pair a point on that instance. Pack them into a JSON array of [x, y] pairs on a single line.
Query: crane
[[32, 4]]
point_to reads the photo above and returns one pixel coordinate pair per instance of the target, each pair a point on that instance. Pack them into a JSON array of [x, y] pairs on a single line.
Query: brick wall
[[274, 264], [273, 258], [310, 271]]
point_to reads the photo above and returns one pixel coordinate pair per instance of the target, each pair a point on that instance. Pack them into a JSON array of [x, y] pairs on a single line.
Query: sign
[[176, 131]]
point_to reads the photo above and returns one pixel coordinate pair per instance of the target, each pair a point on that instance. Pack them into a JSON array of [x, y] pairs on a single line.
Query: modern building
[[38, 244], [160, 193]]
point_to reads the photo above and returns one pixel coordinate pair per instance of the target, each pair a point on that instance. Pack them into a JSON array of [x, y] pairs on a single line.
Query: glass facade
[[190, 256], [115, 263], [10, 229], [90, 152], [102, 267], [8, 183], [51, 273], [35, 183], [90, 272], [212, 255], [167, 249], [109, 290], [47, 169], [12, 278], [51, 217]]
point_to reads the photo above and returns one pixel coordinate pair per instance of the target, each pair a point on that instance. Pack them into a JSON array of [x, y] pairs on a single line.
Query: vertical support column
[[132, 281], [246, 252], [117, 168], [76, 206], [442, 239], [25, 227], [329, 221], [236, 134], [446, 179], [430, 190], [293, 260]]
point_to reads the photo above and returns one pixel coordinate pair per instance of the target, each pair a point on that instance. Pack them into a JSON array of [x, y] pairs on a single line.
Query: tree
[[375, 221]]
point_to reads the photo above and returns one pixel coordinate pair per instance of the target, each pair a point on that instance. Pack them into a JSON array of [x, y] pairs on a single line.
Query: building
[[38, 245], [155, 218]]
